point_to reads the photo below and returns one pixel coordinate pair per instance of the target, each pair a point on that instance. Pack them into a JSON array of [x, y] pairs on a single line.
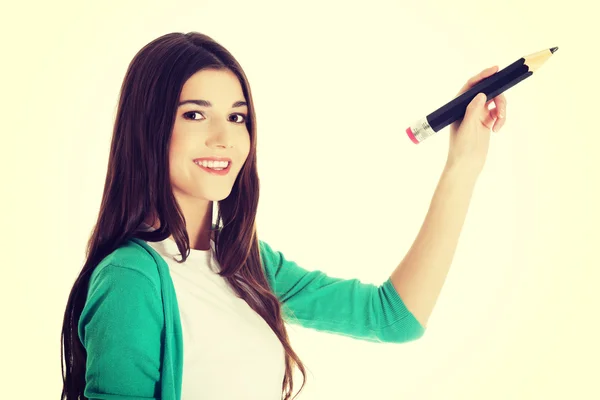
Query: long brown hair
[[137, 186]]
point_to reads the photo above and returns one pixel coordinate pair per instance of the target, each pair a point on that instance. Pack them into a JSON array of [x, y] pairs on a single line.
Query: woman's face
[[210, 122]]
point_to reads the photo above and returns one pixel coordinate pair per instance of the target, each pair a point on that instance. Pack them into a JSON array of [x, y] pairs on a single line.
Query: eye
[[189, 115], [240, 115]]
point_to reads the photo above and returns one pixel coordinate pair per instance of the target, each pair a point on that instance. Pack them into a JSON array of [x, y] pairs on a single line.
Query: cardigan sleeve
[[121, 327], [348, 307]]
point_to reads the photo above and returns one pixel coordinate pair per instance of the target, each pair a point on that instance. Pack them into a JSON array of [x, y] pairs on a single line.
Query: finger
[[488, 118], [500, 102], [477, 78], [478, 112], [497, 121]]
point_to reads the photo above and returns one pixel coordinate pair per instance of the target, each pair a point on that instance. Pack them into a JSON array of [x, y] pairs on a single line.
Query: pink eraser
[[410, 134]]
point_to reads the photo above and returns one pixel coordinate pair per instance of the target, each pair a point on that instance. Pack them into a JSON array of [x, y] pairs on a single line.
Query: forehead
[[216, 86]]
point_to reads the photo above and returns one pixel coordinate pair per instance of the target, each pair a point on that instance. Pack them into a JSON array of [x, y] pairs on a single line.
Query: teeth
[[213, 164]]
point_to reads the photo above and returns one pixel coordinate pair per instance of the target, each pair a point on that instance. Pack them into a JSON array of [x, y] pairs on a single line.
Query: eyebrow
[[205, 103]]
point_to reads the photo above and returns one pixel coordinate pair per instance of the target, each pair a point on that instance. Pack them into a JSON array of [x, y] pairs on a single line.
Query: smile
[[214, 171]]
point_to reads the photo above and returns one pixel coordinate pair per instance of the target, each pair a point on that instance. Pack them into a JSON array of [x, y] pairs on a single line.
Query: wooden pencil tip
[[553, 49]]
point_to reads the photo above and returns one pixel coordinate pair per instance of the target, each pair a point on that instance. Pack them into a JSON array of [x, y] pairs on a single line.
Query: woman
[[163, 284]]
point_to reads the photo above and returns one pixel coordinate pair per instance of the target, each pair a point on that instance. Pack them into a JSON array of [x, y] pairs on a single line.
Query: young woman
[[169, 305]]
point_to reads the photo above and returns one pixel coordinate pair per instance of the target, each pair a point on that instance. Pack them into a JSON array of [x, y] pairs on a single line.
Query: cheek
[[180, 165], [177, 173], [180, 147], [244, 147], [243, 157]]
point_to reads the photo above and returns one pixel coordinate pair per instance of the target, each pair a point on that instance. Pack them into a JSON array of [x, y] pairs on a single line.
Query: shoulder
[[271, 258], [265, 249], [134, 256], [123, 315]]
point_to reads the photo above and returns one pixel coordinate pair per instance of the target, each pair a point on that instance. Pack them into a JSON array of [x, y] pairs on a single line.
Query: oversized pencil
[[492, 86]]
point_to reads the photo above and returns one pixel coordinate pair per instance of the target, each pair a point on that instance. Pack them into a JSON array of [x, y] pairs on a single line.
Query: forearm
[[420, 276]]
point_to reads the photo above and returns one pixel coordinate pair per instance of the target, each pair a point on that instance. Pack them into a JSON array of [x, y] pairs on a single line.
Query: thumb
[[476, 104], [477, 110]]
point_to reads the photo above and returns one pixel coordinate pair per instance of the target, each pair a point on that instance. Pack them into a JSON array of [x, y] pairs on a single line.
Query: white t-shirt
[[230, 352]]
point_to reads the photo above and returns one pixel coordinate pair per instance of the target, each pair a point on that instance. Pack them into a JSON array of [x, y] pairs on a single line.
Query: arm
[[347, 307], [120, 328], [421, 274]]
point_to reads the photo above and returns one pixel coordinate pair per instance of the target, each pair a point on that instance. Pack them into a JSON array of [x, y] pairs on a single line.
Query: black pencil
[[492, 86]]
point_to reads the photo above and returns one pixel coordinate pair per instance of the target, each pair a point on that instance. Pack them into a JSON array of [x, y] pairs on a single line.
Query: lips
[[213, 159], [215, 172]]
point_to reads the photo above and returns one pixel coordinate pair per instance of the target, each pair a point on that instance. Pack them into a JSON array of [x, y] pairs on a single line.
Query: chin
[[212, 196]]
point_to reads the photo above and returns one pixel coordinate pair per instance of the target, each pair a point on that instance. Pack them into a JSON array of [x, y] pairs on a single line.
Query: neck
[[198, 221]]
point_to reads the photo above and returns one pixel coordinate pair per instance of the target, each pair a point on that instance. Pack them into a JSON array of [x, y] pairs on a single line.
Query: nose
[[220, 136]]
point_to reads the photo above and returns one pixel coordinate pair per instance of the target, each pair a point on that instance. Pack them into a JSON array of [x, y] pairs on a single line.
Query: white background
[[343, 189]]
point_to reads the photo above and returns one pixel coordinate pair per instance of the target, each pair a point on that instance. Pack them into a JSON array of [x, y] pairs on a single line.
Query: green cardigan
[[131, 329]]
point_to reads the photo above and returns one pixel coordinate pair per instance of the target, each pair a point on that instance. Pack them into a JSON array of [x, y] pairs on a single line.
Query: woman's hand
[[470, 136]]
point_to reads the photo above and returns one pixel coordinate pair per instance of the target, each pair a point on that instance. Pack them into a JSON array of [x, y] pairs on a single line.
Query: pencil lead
[[553, 49]]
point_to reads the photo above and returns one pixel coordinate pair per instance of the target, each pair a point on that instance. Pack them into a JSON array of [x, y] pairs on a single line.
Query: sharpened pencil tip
[[553, 49]]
